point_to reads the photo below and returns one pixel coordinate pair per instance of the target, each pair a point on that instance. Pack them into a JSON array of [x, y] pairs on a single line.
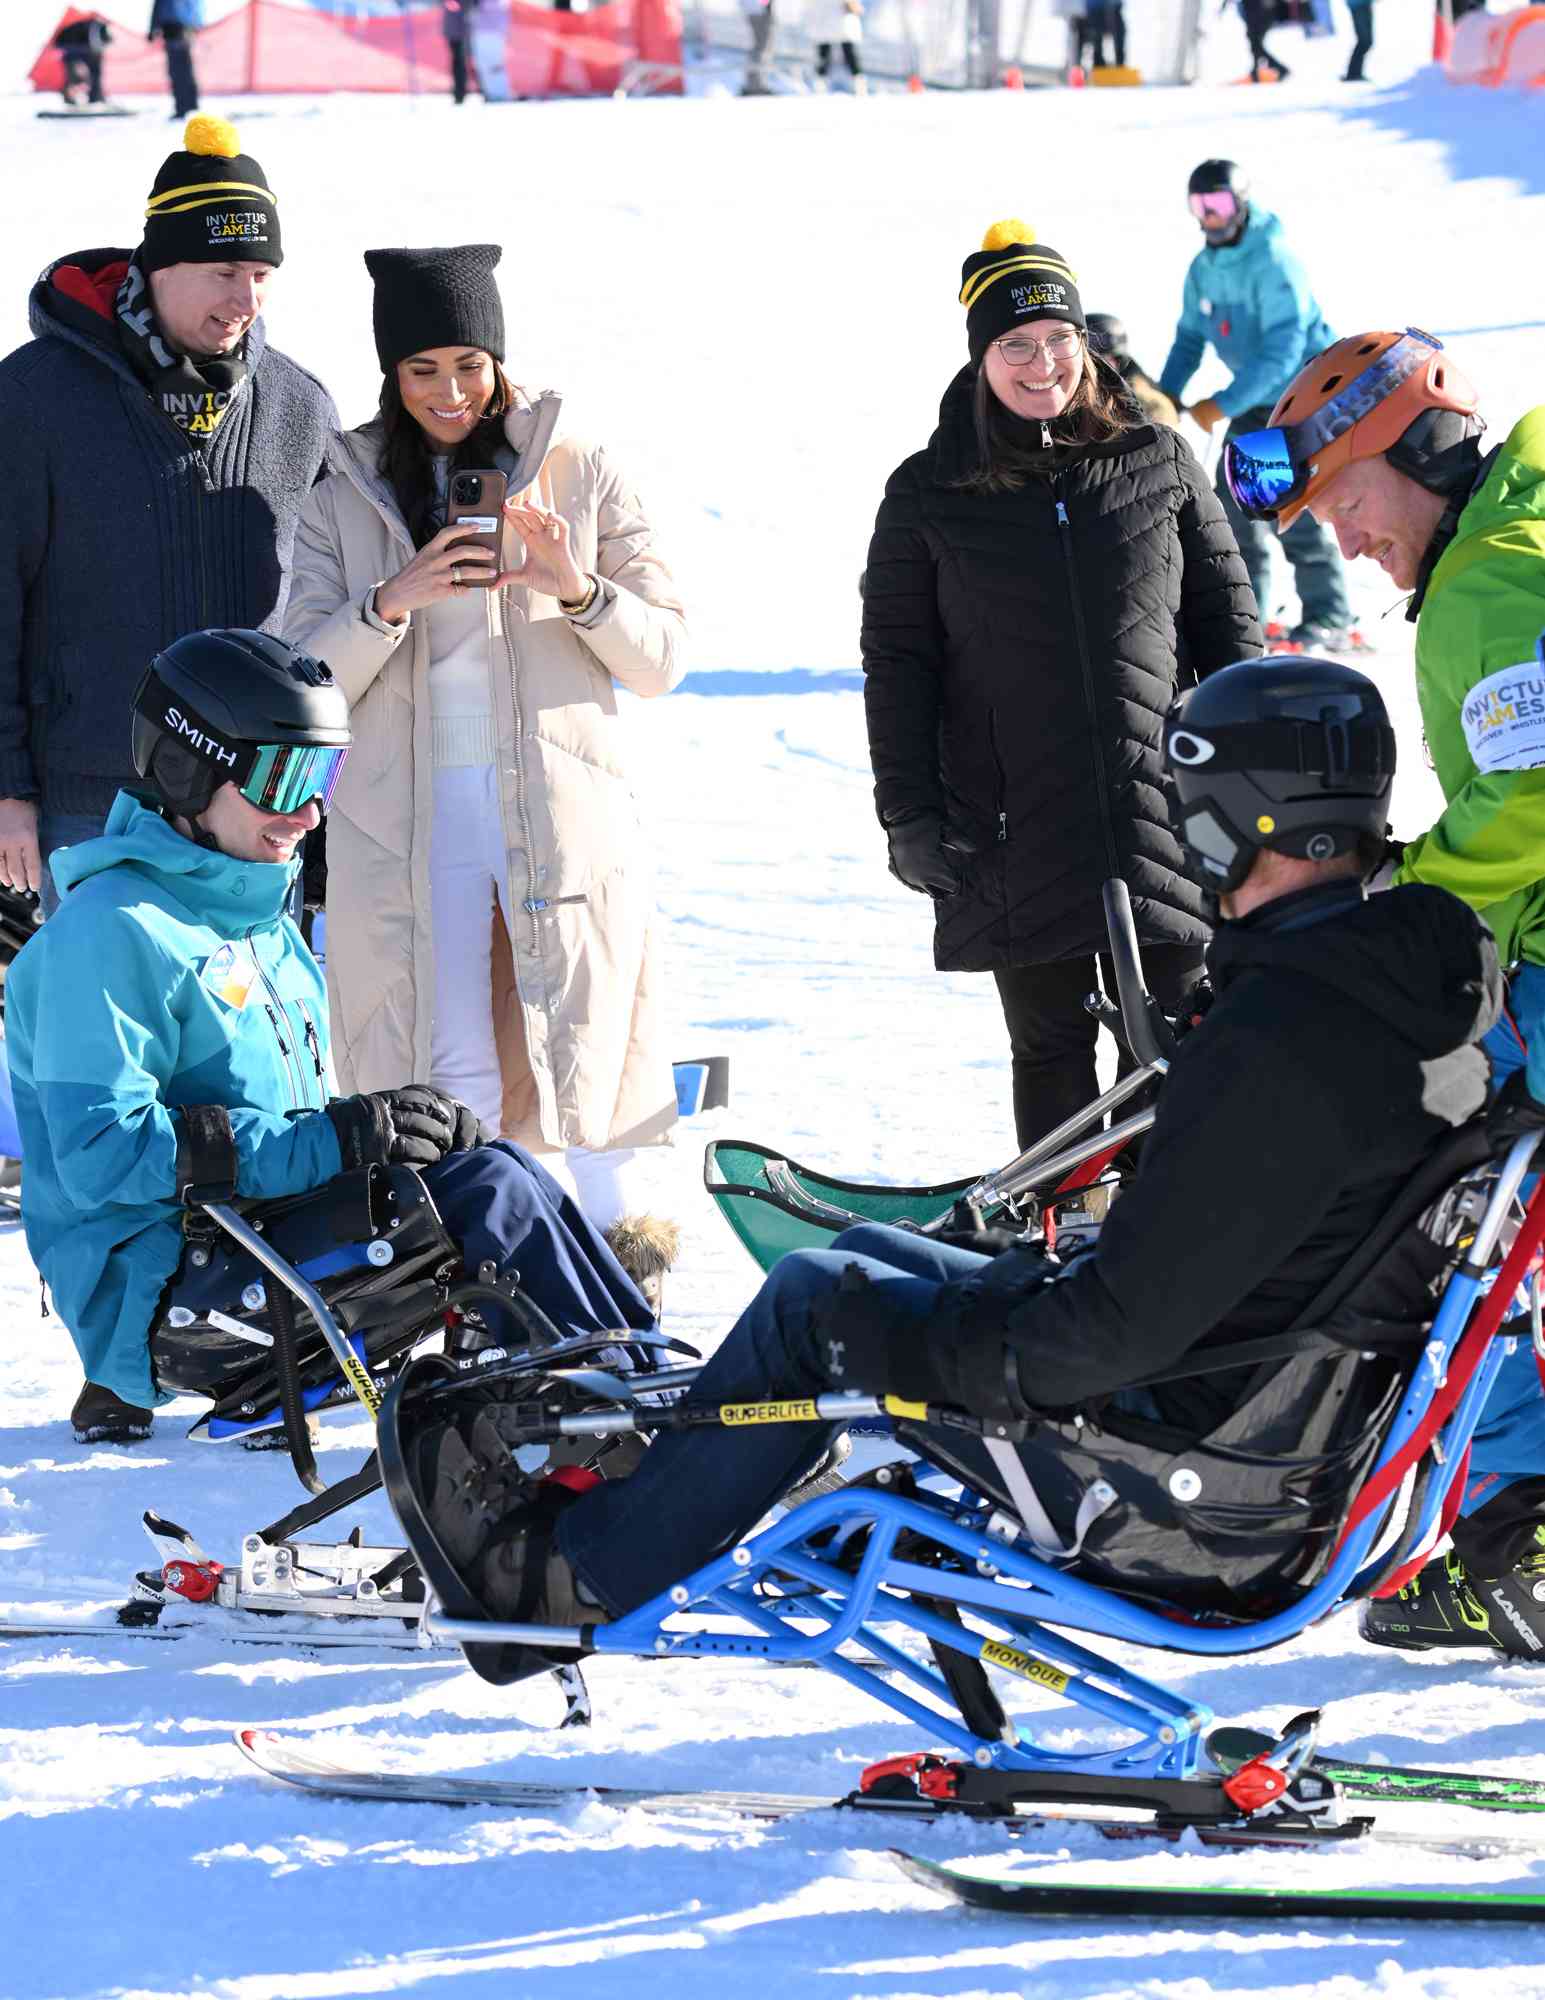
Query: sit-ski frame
[[778, 1581]]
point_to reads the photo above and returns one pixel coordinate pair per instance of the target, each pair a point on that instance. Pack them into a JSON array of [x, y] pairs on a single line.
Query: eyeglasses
[[284, 777], [1268, 469], [1220, 206], [1018, 347]]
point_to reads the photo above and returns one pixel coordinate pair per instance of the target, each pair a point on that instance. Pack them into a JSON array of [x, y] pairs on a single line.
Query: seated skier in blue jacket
[[168, 1028], [1248, 296]]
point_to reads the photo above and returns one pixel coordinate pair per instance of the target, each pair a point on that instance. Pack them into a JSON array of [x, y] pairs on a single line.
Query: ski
[[366, 1633], [298, 1765], [1229, 1748], [988, 1886]]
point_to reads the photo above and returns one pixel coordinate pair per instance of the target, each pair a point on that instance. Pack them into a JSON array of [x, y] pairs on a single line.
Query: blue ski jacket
[[1251, 301], [170, 976]]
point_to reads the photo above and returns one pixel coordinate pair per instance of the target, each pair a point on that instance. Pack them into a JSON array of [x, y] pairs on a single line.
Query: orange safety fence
[[1495, 49], [267, 46]]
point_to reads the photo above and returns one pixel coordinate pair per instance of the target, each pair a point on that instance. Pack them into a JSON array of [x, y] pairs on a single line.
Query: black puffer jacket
[[1021, 651]]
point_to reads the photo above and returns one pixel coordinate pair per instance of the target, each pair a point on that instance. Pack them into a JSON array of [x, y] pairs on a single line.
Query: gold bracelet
[[581, 605]]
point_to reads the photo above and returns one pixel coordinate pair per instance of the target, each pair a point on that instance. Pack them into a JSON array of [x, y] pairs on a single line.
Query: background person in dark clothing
[[158, 452], [453, 25], [1361, 12], [1343, 1035], [176, 22], [1108, 338], [82, 43], [1043, 577], [1259, 15]]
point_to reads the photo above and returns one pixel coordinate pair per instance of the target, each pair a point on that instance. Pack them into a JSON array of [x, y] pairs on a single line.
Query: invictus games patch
[[1504, 718], [230, 975]]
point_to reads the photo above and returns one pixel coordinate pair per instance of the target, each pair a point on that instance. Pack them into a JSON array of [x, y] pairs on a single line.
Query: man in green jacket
[[1380, 439]]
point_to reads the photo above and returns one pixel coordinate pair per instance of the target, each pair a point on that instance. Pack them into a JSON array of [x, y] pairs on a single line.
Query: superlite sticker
[[766, 1413], [1504, 719]]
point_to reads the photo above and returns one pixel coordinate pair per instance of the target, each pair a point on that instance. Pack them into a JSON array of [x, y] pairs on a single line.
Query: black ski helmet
[[1108, 336], [1219, 177], [211, 703], [1289, 752]]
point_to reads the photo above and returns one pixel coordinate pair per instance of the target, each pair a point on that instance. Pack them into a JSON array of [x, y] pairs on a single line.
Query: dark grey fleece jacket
[[118, 533]]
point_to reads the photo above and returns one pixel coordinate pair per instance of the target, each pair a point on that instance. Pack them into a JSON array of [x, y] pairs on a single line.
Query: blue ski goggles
[[1262, 473], [284, 777], [1268, 469]]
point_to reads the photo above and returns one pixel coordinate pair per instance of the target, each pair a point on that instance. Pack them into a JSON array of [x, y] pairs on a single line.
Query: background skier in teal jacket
[[167, 1030], [1248, 297]]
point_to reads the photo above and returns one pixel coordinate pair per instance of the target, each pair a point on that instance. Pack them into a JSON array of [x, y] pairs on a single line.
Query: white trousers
[[468, 875]]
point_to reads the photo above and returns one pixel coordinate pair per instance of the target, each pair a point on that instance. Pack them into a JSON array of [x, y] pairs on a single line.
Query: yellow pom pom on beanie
[[212, 136], [211, 203], [1015, 277]]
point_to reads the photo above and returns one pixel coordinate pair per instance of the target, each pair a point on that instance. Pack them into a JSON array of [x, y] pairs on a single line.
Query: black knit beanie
[[1012, 278], [211, 203], [436, 298]]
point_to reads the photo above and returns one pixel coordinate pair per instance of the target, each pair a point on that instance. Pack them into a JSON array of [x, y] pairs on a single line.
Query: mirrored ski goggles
[[1267, 469], [284, 777], [1261, 474], [1221, 206]]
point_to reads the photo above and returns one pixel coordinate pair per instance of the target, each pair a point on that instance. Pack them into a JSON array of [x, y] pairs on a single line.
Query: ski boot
[[1445, 1604], [100, 1417]]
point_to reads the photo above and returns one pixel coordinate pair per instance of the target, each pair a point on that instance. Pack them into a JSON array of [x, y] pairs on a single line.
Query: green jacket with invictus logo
[[1480, 678]]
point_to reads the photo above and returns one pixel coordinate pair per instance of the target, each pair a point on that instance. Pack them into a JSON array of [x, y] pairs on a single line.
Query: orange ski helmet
[[1382, 383]]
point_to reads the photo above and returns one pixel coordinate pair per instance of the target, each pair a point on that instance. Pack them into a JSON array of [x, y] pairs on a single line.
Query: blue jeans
[[56, 830], [1510, 1438], [695, 1492]]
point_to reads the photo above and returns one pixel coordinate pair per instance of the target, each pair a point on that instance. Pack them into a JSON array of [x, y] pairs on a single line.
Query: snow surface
[[754, 305]]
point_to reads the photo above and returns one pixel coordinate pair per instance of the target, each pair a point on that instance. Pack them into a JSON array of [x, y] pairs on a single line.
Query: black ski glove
[[920, 854], [412, 1126], [469, 1130], [969, 1330], [870, 1349], [988, 1240], [1515, 1110]]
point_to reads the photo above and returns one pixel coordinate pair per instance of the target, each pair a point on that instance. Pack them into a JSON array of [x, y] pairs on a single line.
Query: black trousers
[[1259, 16], [1362, 27], [179, 68], [84, 66], [459, 71], [823, 58], [1052, 1038]]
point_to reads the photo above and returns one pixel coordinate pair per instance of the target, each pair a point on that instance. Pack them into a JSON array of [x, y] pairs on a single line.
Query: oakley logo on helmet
[[1184, 748], [202, 741]]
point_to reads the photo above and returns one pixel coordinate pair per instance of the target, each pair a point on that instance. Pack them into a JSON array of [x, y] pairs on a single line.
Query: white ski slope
[[755, 306]]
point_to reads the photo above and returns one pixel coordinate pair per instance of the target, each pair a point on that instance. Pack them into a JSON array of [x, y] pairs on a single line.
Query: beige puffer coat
[[578, 1003]]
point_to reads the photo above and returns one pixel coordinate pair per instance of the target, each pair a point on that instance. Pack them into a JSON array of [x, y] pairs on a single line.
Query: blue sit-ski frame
[[1028, 1602]]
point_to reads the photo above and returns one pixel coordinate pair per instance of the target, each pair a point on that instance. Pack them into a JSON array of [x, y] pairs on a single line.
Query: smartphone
[[477, 504]]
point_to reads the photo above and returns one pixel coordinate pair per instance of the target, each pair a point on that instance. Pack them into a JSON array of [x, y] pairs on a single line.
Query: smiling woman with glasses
[[1044, 577]]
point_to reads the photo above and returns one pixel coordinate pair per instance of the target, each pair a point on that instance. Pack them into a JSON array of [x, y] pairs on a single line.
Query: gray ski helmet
[[1108, 336], [229, 706], [1289, 752]]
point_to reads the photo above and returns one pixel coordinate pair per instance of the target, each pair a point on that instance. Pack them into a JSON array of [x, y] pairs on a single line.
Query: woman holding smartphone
[[491, 923]]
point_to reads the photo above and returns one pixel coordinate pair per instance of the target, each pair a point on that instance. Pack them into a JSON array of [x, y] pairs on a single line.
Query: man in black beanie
[[158, 452]]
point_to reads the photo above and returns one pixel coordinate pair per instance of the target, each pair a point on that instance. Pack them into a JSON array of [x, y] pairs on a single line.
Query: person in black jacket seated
[[1339, 1051], [1043, 579]]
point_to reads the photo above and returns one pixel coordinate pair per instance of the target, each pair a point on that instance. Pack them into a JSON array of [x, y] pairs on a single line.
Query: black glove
[[969, 1329], [987, 1241], [921, 856], [867, 1347], [412, 1126], [469, 1130]]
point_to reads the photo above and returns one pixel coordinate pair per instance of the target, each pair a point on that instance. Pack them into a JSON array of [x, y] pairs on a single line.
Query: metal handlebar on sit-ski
[[354, 1370], [1151, 1041]]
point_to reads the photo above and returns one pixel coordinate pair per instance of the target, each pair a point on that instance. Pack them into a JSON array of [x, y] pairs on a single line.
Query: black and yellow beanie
[[436, 298], [211, 203], [1013, 278]]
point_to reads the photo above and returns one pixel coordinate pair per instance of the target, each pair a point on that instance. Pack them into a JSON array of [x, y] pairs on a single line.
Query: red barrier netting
[[271, 47]]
